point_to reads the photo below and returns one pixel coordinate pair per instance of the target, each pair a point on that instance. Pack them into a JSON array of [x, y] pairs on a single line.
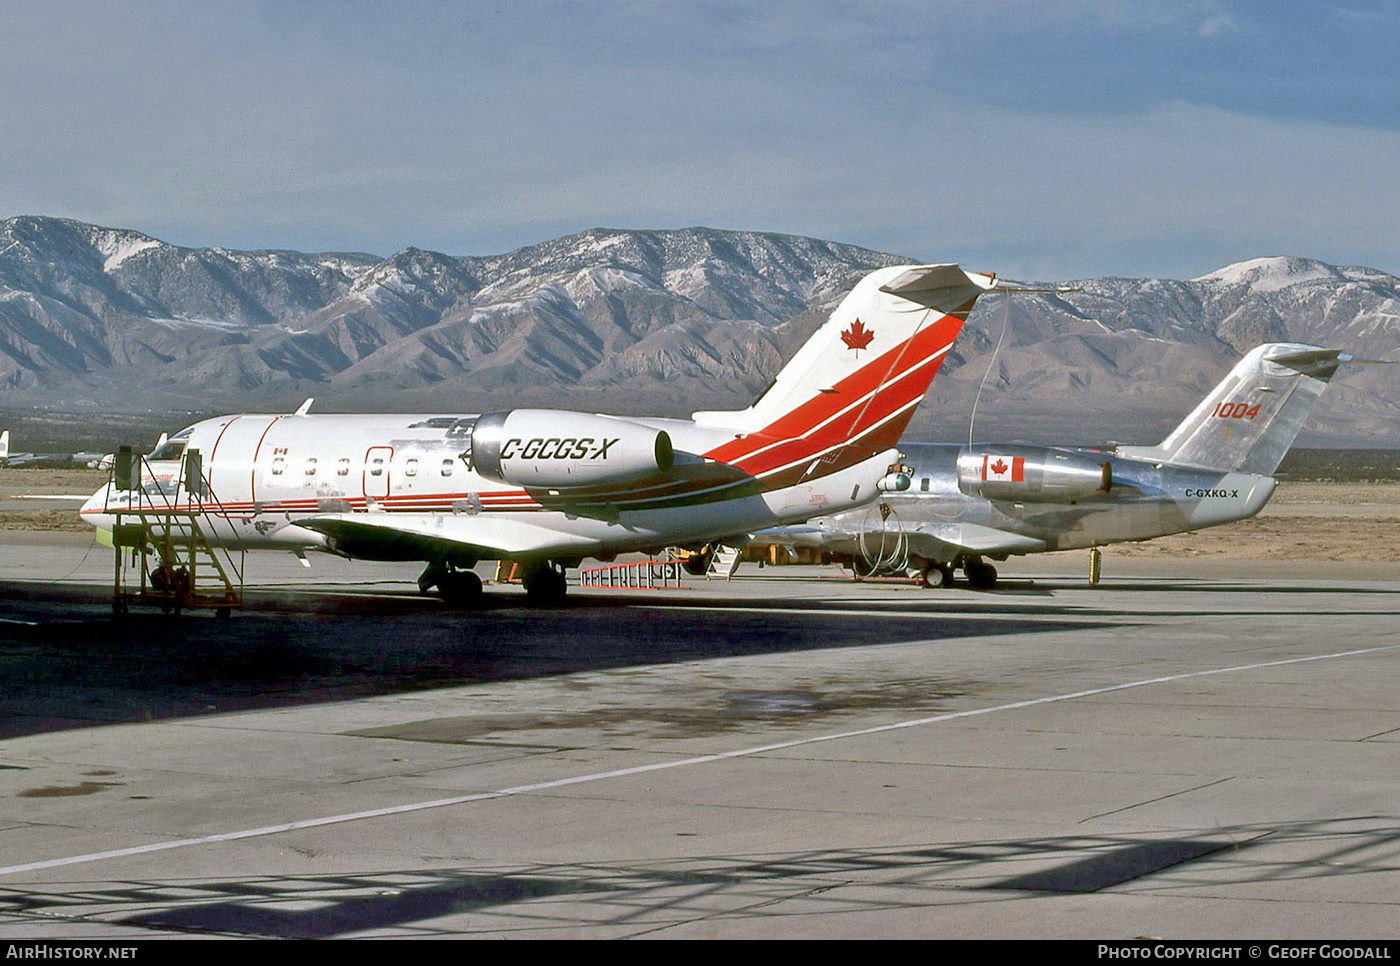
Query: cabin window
[[342, 467], [447, 467], [279, 464], [410, 468], [376, 466], [311, 466], [923, 485]]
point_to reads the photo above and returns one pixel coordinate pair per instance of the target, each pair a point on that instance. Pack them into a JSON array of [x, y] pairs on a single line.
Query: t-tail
[[862, 374], [1252, 417]]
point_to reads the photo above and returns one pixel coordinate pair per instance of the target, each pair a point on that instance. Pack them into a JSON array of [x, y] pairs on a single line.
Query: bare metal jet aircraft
[[93, 461], [8, 458], [546, 488], [964, 504]]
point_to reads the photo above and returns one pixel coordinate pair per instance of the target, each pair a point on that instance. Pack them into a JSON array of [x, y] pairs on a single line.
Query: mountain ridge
[[669, 320]]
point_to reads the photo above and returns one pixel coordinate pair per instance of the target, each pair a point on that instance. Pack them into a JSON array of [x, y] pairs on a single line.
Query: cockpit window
[[172, 450]]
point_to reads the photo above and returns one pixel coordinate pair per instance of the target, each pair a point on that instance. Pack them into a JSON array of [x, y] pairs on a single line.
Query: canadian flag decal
[[857, 337], [1008, 469]]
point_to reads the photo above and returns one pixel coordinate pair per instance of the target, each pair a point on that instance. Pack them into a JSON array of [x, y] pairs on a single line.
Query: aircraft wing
[[936, 541], [425, 536], [34, 459], [927, 539]]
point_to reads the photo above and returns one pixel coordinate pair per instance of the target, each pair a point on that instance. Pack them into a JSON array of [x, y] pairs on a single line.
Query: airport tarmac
[[1192, 749]]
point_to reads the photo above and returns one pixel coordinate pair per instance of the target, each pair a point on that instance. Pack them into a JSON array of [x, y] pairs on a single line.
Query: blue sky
[[1040, 140]]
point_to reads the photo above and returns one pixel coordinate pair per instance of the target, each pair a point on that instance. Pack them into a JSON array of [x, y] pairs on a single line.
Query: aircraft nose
[[94, 505]]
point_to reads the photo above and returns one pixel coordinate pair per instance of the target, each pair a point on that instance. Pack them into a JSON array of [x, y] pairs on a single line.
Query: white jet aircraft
[[548, 488], [959, 505]]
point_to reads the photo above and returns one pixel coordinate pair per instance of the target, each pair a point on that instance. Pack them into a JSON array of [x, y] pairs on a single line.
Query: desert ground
[[1305, 521]]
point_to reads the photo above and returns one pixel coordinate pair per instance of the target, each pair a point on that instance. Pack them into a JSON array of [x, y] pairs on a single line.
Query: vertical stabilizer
[[863, 373], [1252, 417], [5, 445]]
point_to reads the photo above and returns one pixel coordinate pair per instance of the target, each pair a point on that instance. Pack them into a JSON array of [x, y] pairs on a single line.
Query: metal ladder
[[176, 566]]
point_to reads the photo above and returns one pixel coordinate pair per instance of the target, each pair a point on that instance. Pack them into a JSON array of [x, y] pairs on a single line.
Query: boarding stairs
[[164, 555], [725, 561]]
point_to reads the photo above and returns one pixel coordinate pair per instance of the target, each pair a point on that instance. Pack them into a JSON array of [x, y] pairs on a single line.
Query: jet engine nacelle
[[557, 448], [1027, 474]]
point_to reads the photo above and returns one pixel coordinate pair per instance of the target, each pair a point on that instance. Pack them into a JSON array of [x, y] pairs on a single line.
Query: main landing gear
[[458, 587], [545, 584], [980, 574]]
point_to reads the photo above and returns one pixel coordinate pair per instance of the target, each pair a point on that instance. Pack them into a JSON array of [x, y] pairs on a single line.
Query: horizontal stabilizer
[[1306, 359], [925, 280]]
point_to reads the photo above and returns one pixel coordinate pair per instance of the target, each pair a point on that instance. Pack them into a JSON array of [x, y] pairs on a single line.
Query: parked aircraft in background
[[8, 458], [104, 461], [96, 461], [548, 488], [93, 461], [966, 504]]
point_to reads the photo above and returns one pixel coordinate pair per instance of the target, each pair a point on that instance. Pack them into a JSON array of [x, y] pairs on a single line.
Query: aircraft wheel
[[546, 586], [936, 576], [222, 613], [981, 576], [460, 588]]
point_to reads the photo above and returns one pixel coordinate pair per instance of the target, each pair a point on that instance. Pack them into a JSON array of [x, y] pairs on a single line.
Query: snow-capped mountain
[[660, 321]]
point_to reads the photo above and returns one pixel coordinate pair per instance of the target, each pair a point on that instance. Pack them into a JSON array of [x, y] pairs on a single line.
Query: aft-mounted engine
[[560, 449], [1034, 474]]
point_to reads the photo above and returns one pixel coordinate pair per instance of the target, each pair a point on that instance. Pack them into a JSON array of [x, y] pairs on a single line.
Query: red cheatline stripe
[[872, 378], [888, 403], [871, 413]]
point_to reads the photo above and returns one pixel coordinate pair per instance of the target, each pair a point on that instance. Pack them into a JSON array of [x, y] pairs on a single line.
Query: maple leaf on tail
[[857, 337]]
